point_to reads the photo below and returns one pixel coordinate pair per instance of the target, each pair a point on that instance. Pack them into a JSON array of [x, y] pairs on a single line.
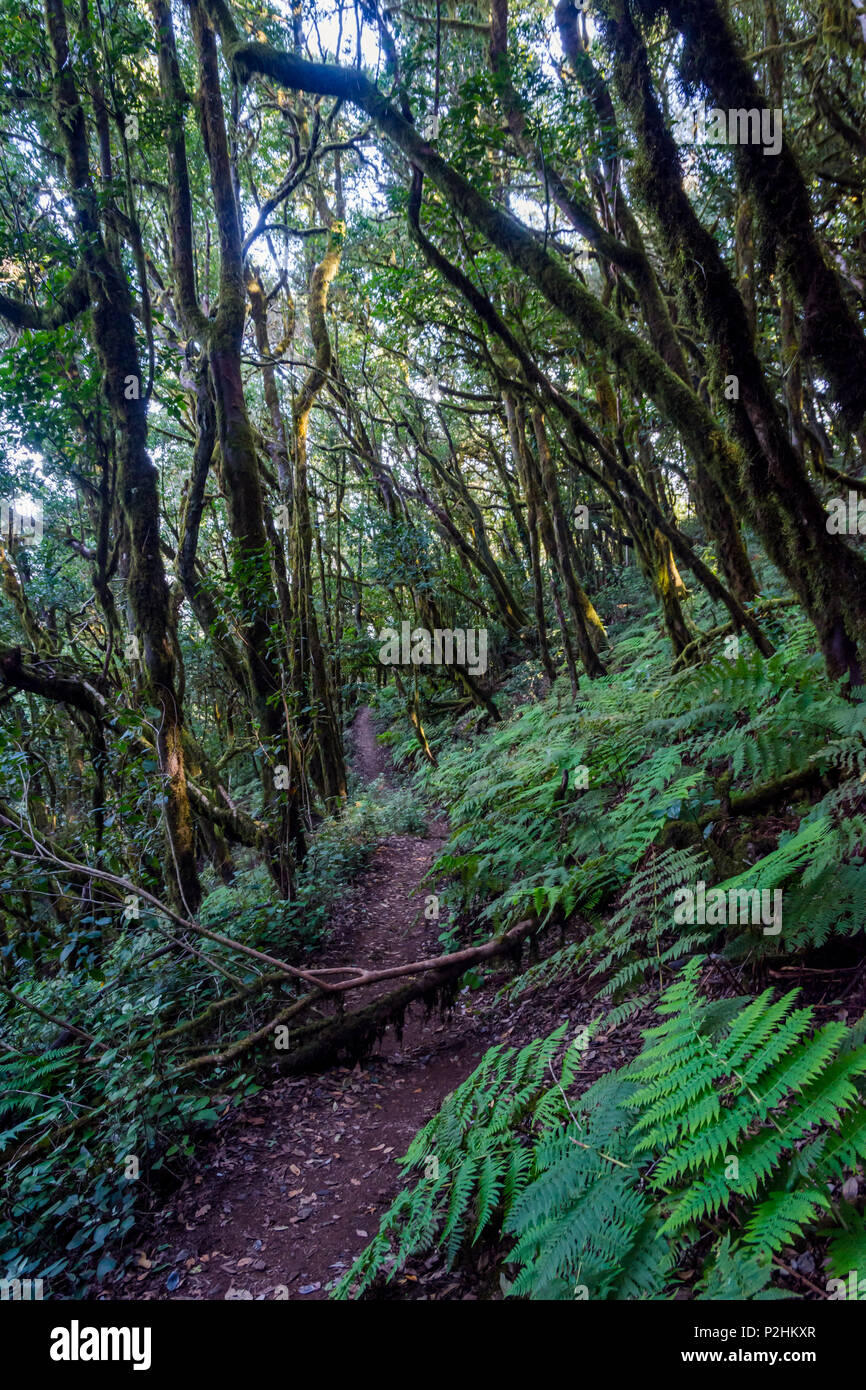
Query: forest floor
[[279, 1201]]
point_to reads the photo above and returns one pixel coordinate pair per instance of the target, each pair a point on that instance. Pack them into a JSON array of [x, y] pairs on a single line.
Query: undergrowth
[[117, 1116], [738, 1130]]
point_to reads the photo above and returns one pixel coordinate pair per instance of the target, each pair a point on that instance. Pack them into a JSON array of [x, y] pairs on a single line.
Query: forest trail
[[285, 1195]]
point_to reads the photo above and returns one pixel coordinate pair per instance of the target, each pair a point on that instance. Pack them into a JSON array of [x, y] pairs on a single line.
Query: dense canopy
[[500, 369]]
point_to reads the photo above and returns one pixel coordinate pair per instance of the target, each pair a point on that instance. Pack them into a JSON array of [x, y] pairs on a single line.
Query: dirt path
[[369, 758], [287, 1193]]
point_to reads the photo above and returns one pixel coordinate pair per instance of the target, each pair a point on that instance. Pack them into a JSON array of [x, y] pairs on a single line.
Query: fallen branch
[[61, 1023], [130, 889], [320, 1042], [704, 639]]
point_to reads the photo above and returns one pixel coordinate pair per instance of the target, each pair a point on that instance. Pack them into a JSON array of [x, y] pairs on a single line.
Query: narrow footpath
[[285, 1195]]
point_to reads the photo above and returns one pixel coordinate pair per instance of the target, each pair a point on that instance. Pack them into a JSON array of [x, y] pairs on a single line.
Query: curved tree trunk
[[114, 338]]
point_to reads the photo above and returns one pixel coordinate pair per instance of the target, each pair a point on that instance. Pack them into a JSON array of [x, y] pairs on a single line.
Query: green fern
[[734, 1108], [735, 1273], [471, 1156]]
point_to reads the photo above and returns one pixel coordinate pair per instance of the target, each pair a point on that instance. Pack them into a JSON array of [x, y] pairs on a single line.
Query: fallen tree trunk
[[323, 1043], [320, 1044]]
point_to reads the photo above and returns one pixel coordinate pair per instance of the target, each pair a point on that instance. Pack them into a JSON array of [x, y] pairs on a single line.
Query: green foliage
[[582, 1220], [63, 1202], [74, 1196], [751, 1094], [474, 1159], [735, 1113], [585, 814], [646, 758], [733, 1272]]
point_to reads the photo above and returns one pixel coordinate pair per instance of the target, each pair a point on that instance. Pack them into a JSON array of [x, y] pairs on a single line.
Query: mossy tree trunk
[[115, 341], [311, 683], [771, 484], [251, 570]]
